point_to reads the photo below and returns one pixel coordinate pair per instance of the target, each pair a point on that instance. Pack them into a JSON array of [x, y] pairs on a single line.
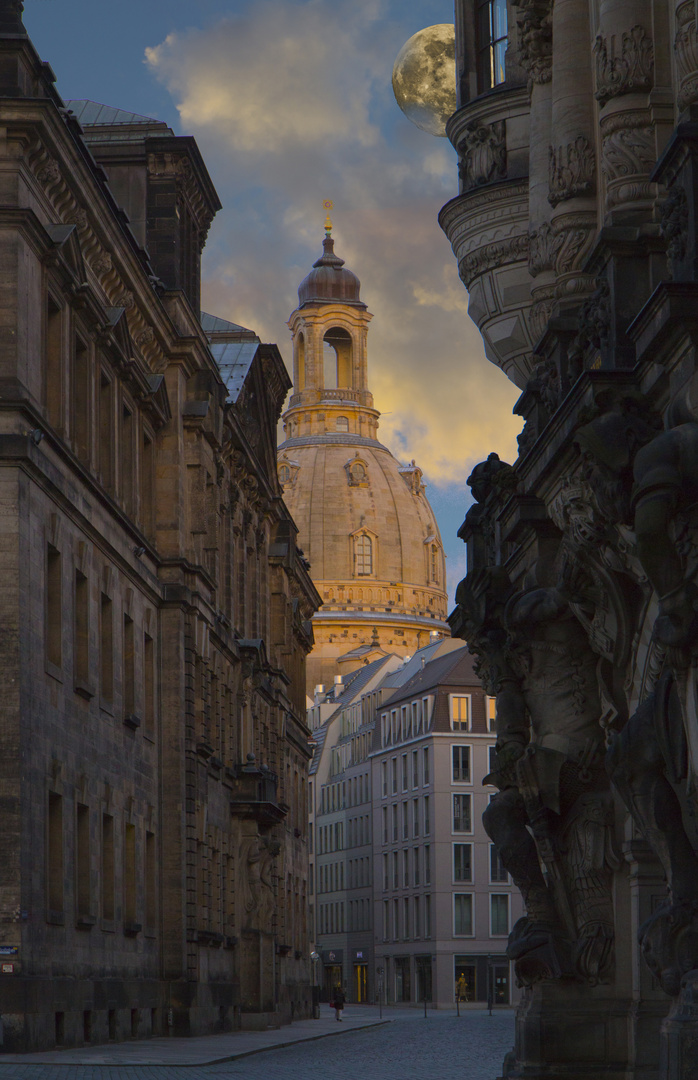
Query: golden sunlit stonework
[[364, 522]]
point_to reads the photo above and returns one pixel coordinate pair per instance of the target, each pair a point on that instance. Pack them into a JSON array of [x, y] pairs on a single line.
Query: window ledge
[[85, 922], [132, 928], [84, 689], [132, 721], [56, 918]]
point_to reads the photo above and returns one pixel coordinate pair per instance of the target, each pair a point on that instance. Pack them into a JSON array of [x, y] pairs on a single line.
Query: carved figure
[[257, 855]]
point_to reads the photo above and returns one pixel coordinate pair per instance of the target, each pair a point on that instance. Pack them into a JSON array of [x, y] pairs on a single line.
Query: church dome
[[329, 279], [364, 521]]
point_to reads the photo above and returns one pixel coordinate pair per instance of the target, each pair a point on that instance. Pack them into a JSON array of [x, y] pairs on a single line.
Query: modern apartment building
[[411, 897]]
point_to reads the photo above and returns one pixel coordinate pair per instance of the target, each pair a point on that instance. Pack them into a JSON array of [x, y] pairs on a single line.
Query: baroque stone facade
[[580, 598], [155, 610]]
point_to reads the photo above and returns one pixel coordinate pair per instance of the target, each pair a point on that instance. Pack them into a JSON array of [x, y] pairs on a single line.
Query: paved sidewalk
[[207, 1049]]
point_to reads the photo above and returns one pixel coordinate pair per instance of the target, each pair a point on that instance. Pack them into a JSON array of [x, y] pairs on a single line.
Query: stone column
[[572, 155], [624, 76]]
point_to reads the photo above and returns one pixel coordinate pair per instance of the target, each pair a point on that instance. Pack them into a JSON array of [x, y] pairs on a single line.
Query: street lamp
[[379, 973], [315, 956]]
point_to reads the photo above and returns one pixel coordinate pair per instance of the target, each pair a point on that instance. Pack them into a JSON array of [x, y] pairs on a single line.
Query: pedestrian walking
[[338, 999]]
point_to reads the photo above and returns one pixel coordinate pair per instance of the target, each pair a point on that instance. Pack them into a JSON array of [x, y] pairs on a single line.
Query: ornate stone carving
[[674, 224], [572, 170], [686, 49], [544, 244], [628, 156], [535, 31], [482, 154], [102, 263], [629, 72], [576, 233], [594, 322], [49, 173], [492, 255]]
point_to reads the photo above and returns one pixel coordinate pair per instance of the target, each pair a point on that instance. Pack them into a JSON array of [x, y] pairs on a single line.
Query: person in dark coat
[[338, 999]]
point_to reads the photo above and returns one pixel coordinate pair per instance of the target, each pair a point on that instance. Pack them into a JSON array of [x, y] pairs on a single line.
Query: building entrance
[[332, 978], [361, 982], [402, 978], [501, 985], [422, 971], [466, 979]]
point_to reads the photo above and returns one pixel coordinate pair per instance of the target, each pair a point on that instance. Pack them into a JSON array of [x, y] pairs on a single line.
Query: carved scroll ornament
[[572, 170], [629, 72], [535, 27]]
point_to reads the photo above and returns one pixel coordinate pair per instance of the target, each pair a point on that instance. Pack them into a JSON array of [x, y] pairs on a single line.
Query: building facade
[[574, 231], [155, 611], [364, 521], [411, 898]]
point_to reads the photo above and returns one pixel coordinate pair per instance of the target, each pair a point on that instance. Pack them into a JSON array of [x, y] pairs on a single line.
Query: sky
[[291, 103]]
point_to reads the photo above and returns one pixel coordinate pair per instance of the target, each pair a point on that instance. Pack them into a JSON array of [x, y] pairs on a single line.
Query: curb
[[191, 1064]]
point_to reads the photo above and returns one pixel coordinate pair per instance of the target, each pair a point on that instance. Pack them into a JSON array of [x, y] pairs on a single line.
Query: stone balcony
[[255, 793], [488, 223]]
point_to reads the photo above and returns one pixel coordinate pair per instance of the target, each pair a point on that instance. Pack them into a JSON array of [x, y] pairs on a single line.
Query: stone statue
[[257, 856]]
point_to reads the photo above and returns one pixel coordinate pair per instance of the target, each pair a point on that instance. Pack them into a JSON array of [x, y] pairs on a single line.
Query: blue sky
[[290, 102]]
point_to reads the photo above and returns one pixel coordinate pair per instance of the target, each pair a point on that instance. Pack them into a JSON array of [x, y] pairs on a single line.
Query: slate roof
[[212, 324], [355, 683], [436, 673], [93, 114], [234, 359]]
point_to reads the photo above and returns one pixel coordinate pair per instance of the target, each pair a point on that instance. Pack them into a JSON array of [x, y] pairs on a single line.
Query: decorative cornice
[[572, 170], [493, 256], [630, 72]]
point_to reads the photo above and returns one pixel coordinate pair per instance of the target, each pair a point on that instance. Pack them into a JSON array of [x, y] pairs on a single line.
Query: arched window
[[342, 423], [358, 472], [434, 563], [338, 358], [284, 474], [363, 549]]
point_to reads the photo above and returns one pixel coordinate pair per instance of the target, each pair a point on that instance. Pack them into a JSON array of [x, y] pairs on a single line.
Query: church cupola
[[330, 377]]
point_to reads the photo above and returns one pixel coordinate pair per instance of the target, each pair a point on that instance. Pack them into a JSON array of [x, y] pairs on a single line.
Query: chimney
[[338, 686], [318, 693]]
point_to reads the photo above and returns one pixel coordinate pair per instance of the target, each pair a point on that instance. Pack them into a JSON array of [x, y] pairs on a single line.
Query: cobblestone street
[[405, 1047]]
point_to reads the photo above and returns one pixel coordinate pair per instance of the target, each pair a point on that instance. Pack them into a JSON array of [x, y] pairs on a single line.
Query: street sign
[[7, 969]]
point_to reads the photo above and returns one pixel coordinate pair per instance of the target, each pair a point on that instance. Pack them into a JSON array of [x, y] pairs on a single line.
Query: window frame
[[462, 746], [458, 720], [461, 933], [468, 795], [499, 896]]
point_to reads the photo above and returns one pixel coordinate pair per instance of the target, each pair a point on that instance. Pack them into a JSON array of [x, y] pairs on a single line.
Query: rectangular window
[[460, 712], [426, 714], [54, 860], [151, 881], [393, 775], [54, 609], [53, 373], [404, 772], [127, 426], [491, 713], [129, 882], [497, 869], [415, 864], [147, 485], [148, 684], [386, 877], [417, 920], [499, 909], [394, 822], [492, 43], [492, 758], [386, 920], [460, 762], [462, 817], [82, 860], [81, 661], [427, 824], [462, 914], [427, 864], [406, 868], [129, 669], [426, 765], [107, 866], [427, 916], [106, 432], [406, 917], [385, 824], [384, 779], [396, 874], [396, 920], [415, 768], [106, 648], [462, 862], [415, 722], [80, 418], [405, 820], [415, 817]]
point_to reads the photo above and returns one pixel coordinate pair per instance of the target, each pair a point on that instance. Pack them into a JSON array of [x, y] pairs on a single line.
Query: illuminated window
[[492, 43], [460, 712], [342, 424], [363, 548], [491, 713]]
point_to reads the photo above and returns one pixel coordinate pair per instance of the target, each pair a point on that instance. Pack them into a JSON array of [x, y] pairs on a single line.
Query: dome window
[[342, 423], [357, 471], [363, 555], [287, 471]]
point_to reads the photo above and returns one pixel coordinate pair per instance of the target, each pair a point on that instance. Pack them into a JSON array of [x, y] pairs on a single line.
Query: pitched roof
[[234, 359], [212, 324], [454, 667], [355, 683], [93, 114]]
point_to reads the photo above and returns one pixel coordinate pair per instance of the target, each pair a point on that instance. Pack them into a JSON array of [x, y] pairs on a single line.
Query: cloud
[[292, 103]]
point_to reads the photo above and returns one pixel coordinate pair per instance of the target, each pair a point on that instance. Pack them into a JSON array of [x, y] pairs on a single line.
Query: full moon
[[424, 77]]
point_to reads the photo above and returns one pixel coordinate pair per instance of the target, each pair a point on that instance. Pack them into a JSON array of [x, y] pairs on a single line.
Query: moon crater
[[424, 78]]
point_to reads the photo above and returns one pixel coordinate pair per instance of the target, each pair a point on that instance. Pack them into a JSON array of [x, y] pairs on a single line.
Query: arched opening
[[342, 423], [337, 356], [300, 364], [363, 548], [435, 564]]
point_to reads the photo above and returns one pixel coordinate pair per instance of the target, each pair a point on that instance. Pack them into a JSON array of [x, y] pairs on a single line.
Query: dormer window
[[284, 474], [357, 472], [492, 43], [363, 555]]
